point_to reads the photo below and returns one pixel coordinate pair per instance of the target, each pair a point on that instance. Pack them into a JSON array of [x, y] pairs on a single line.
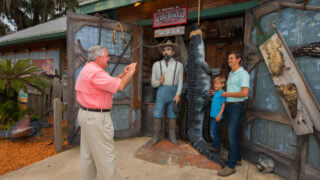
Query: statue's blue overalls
[[165, 96]]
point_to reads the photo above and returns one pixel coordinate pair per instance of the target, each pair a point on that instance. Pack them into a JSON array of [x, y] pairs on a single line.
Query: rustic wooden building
[[227, 25], [45, 44], [136, 23], [268, 127], [242, 25]]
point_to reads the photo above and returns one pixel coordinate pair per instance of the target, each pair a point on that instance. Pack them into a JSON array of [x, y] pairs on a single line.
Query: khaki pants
[[97, 157]]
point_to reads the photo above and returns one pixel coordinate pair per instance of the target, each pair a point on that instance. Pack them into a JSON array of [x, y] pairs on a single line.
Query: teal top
[[236, 81], [216, 104]]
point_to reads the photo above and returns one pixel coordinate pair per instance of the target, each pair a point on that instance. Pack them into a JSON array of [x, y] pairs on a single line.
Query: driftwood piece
[[299, 6], [296, 96], [271, 116]]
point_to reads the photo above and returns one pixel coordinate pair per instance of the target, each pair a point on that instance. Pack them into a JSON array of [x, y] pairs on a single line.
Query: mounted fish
[[199, 76]]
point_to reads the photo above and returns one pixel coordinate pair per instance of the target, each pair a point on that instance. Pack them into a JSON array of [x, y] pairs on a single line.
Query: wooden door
[[82, 33]]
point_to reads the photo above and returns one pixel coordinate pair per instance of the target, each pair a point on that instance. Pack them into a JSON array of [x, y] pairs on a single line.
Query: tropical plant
[[13, 78]]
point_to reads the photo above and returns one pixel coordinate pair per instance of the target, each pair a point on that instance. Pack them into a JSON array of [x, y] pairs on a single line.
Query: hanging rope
[[115, 33], [148, 46], [199, 4]]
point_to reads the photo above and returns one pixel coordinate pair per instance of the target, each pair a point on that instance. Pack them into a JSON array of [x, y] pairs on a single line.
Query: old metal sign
[[174, 31], [170, 17]]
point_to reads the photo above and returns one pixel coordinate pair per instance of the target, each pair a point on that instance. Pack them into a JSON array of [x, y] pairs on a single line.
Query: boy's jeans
[[214, 132], [234, 114]]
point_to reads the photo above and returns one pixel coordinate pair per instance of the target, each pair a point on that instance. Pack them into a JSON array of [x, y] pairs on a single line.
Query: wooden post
[[57, 88], [57, 115]]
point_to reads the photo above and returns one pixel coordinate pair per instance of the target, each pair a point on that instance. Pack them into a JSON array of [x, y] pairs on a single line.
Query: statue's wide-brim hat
[[174, 46]]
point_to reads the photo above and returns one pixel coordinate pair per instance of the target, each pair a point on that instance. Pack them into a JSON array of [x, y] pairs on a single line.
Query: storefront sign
[[170, 17], [174, 31], [46, 65]]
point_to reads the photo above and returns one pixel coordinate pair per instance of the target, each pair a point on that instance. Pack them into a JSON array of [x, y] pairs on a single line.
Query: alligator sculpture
[[25, 128], [199, 76]]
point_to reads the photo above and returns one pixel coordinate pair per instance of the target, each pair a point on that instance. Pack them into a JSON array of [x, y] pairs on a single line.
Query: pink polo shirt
[[95, 87]]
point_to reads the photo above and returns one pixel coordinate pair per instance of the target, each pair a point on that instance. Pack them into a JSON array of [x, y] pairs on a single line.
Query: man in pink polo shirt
[[95, 89]]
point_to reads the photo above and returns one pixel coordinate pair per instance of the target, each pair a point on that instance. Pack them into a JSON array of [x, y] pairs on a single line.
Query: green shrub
[[13, 78]]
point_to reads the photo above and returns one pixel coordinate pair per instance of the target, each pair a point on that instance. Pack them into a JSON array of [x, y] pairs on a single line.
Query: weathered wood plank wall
[[295, 155]]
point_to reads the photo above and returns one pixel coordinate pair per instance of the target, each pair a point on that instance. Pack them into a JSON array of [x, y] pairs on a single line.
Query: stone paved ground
[[65, 166]]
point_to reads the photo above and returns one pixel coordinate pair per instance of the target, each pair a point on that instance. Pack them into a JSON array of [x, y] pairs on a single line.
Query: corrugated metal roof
[[55, 26]]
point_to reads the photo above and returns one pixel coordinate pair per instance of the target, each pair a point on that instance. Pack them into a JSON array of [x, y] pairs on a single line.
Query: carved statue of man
[[167, 75]]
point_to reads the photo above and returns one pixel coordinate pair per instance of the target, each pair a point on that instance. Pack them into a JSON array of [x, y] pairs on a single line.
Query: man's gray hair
[[94, 52]]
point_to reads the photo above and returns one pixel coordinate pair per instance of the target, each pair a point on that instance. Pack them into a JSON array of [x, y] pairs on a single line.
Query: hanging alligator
[[199, 76]]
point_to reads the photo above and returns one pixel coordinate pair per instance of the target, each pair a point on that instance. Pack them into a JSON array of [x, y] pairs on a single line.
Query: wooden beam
[[255, 80], [213, 12], [247, 34], [271, 116], [299, 6], [278, 155], [284, 164], [316, 136]]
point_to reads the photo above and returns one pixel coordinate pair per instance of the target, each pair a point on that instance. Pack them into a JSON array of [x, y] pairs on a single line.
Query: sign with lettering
[[170, 17], [174, 31], [46, 65]]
